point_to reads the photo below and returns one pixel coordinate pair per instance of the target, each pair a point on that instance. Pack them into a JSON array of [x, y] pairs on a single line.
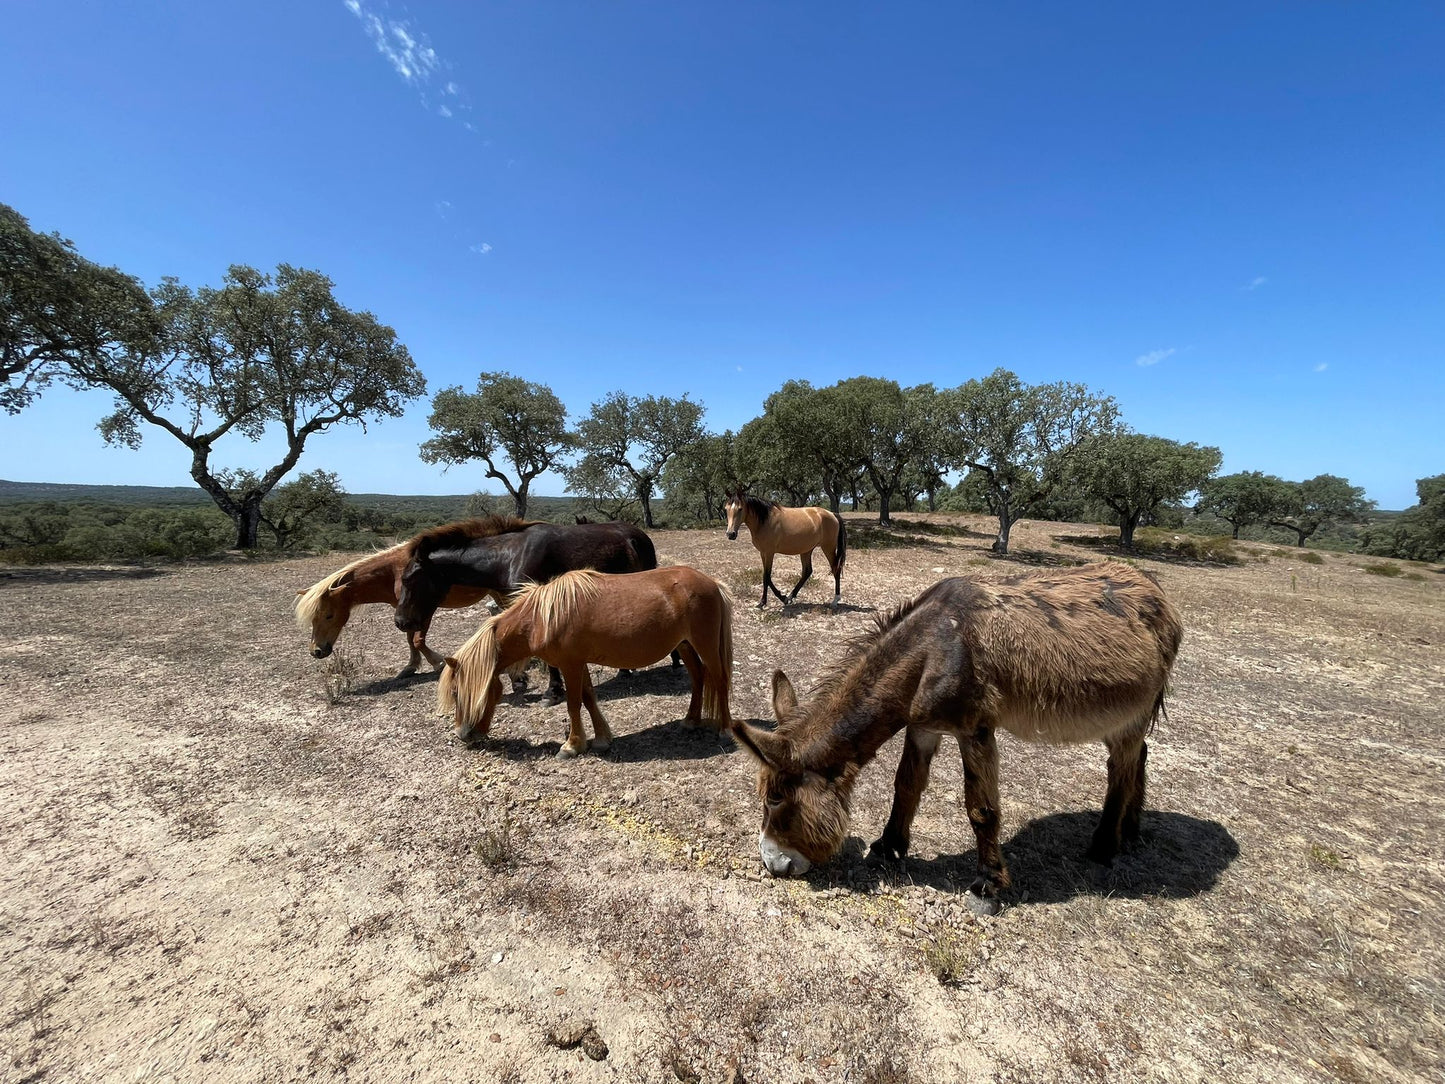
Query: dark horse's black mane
[[760, 508], [452, 535]]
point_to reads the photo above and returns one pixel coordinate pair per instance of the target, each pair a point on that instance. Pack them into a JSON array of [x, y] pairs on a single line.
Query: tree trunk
[[885, 502], [1005, 524], [1235, 536], [932, 503], [1126, 531], [519, 498], [247, 518]]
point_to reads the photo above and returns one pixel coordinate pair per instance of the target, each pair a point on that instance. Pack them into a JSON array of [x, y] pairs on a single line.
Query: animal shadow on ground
[[19, 575], [671, 740], [382, 686], [661, 679], [796, 609], [1177, 857]]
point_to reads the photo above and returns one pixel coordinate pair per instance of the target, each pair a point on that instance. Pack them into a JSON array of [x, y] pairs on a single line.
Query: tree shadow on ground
[[1036, 558], [1177, 857], [1108, 545], [18, 575], [946, 530]]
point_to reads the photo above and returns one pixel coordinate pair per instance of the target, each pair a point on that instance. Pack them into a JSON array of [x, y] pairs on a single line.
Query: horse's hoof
[[404, 672], [599, 746], [550, 700], [884, 852], [982, 899], [567, 753]]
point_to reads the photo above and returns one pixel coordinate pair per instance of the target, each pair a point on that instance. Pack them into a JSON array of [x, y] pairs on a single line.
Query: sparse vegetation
[[951, 957], [1384, 568]]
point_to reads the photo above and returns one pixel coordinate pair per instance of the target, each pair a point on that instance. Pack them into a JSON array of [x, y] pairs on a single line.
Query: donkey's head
[[418, 595], [805, 808]]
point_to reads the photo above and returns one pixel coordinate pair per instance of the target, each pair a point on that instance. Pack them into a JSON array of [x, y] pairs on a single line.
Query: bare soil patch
[[225, 860]]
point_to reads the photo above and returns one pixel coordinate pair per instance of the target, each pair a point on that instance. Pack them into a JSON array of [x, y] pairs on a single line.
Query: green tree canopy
[[891, 427], [1134, 474], [696, 480], [626, 441], [260, 351], [56, 306], [1020, 438], [1241, 499], [1305, 507], [507, 420], [1418, 533]]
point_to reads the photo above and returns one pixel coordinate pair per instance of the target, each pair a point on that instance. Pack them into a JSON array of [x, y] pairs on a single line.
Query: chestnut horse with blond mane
[[775, 529], [1065, 655], [627, 620], [326, 605]]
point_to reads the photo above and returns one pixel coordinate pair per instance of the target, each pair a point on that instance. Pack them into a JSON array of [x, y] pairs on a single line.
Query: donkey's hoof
[[982, 898]]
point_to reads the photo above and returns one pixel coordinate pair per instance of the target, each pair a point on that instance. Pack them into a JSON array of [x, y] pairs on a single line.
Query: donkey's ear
[[767, 747], [785, 701]]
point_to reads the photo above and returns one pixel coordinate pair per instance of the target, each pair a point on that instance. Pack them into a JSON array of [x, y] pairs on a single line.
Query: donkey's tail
[[717, 688], [841, 553], [1158, 712]]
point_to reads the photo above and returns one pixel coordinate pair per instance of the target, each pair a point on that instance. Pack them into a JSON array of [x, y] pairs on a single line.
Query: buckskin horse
[[1065, 655], [578, 618], [326, 605], [775, 529], [502, 554]]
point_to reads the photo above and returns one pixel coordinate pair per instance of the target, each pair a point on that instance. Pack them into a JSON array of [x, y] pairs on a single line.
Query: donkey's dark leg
[[555, 692], [908, 785], [1124, 800], [980, 792], [807, 572], [695, 671]]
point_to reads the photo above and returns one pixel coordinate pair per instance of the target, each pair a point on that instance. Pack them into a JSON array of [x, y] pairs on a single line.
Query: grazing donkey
[[1066, 655]]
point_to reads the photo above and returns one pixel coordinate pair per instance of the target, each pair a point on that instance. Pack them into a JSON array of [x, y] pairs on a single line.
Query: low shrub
[[1384, 568], [1208, 549]]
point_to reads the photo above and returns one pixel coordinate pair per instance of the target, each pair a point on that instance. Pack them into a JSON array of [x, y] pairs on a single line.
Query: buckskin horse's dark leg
[[908, 786], [980, 794], [555, 692], [807, 571], [1124, 800], [767, 579]]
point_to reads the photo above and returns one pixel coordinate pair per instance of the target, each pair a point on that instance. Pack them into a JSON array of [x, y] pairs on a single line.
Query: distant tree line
[[279, 353]]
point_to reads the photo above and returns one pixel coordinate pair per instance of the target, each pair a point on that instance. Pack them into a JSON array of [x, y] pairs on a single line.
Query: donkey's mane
[[466, 530], [309, 601], [553, 603], [836, 676]]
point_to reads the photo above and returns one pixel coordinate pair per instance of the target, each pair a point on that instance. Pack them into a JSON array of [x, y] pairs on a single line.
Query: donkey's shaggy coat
[[1066, 655]]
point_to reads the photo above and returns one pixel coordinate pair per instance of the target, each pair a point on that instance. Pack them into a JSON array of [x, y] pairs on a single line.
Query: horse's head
[[469, 688], [418, 595], [736, 511], [328, 610], [805, 812]]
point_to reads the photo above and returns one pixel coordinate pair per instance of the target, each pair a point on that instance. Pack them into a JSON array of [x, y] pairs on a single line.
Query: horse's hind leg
[[807, 572], [1124, 800], [696, 672], [980, 792], [908, 787]]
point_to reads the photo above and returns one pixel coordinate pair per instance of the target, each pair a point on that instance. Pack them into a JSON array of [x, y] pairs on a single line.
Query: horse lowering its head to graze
[[590, 617], [775, 529], [500, 554], [326, 605], [1065, 655]]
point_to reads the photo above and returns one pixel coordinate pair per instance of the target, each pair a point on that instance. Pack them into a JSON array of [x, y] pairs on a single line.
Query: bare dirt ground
[[224, 860]]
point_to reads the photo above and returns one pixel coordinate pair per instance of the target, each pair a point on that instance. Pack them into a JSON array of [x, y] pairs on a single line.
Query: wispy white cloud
[[443, 207], [1256, 282], [1154, 357], [411, 55], [481, 248], [1322, 366]]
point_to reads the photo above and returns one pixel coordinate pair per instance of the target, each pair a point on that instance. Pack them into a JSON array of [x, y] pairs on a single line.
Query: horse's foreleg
[[601, 732], [414, 661], [980, 791], [418, 644], [807, 572], [768, 584], [908, 786], [554, 687], [1124, 800], [696, 672], [576, 743]]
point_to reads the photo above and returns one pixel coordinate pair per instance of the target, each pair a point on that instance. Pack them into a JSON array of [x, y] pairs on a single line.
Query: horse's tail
[[840, 554], [716, 692]]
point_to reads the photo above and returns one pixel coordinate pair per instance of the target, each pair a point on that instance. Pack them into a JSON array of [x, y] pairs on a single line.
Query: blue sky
[[1230, 217]]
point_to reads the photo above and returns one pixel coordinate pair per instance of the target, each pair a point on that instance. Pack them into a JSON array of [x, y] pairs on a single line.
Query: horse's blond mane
[[553, 603], [309, 601], [466, 678]]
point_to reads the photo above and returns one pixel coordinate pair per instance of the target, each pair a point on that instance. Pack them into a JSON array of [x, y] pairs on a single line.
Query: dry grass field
[[224, 860]]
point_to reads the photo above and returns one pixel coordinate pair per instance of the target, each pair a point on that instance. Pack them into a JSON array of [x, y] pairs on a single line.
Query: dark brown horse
[[775, 529], [500, 554], [589, 617], [1066, 655]]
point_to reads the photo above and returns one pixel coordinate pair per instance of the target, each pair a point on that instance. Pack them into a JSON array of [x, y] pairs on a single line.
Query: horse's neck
[[854, 720], [373, 583], [476, 565]]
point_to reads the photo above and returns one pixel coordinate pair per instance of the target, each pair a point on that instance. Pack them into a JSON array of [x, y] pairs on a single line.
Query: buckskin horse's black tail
[[842, 551]]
